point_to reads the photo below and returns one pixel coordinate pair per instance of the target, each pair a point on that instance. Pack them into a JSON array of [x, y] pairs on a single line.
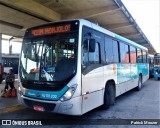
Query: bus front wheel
[[109, 96]]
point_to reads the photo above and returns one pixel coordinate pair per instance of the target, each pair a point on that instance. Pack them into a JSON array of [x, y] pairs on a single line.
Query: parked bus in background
[[72, 67], [10, 62], [150, 59], [1, 72], [156, 69]]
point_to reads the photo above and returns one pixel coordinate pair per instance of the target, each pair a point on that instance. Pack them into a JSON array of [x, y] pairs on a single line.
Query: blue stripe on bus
[[157, 57], [46, 95], [143, 68]]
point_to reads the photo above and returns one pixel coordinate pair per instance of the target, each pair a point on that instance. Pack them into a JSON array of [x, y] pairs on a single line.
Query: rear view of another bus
[[156, 69], [10, 62], [150, 60]]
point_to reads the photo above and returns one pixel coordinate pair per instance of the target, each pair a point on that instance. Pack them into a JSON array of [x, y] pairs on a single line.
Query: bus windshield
[[49, 58]]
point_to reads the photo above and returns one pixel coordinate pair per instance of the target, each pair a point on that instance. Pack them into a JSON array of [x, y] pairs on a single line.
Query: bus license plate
[[38, 108]]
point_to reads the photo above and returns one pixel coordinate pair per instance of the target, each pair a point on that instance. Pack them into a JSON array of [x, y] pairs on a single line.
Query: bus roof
[[109, 33]]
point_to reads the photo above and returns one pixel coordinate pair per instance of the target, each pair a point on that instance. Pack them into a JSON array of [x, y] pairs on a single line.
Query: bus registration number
[[38, 108], [51, 96]]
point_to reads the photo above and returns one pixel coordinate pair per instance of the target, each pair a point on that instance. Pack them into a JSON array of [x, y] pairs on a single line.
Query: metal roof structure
[[17, 15]]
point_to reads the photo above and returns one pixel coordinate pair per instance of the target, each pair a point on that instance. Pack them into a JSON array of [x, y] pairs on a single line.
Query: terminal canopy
[[17, 15]]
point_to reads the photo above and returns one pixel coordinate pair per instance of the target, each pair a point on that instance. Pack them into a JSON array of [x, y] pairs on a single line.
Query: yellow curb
[[11, 109]]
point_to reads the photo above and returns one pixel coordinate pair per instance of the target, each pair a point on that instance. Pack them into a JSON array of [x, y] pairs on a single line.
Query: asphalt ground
[[130, 109]]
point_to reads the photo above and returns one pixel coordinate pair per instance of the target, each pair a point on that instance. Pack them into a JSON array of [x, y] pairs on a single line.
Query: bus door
[[92, 76]]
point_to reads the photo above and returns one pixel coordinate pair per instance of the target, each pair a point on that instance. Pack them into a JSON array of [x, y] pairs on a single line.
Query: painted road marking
[[11, 109]]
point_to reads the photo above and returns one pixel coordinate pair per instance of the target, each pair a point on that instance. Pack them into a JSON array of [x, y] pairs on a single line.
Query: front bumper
[[69, 107]]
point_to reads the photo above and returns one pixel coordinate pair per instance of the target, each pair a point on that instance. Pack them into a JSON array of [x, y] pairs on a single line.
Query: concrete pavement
[[138, 105]]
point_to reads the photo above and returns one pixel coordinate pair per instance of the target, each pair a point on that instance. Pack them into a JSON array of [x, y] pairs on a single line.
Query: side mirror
[[92, 45]]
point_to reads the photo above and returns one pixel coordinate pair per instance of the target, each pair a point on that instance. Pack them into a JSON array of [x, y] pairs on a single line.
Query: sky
[[147, 15]]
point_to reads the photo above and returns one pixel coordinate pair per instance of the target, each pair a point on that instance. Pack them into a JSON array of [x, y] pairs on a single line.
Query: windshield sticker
[[71, 40]]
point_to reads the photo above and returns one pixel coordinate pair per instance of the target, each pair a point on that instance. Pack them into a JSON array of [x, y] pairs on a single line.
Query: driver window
[[90, 57]]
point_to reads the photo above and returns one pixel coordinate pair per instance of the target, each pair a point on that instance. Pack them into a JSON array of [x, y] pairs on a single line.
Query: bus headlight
[[19, 90], [68, 95]]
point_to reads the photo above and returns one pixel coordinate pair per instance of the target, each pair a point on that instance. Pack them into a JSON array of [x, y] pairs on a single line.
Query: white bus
[[72, 67]]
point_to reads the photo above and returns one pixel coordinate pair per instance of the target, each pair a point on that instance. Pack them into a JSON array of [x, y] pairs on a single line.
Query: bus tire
[[109, 96], [139, 83]]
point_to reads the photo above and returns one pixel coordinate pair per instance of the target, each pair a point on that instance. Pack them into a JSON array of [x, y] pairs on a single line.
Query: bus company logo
[[38, 94], [114, 68], [6, 122]]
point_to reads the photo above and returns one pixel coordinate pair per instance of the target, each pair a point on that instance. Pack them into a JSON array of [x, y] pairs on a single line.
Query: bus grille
[[47, 106]]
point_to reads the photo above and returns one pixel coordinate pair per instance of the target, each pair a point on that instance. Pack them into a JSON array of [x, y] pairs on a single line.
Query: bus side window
[[94, 57], [124, 53], [111, 50], [90, 57], [133, 55], [85, 52], [144, 57], [139, 56]]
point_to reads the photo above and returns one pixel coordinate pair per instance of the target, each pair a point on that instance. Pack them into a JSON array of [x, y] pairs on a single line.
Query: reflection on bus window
[[133, 55], [111, 49], [124, 53], [48, 59], [90, 58], [139, 56]]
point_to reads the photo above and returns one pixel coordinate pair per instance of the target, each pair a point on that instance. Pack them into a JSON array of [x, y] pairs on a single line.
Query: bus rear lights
[[68, 95]]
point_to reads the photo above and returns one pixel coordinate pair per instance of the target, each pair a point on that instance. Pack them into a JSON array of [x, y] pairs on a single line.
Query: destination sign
[[51, 30]]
